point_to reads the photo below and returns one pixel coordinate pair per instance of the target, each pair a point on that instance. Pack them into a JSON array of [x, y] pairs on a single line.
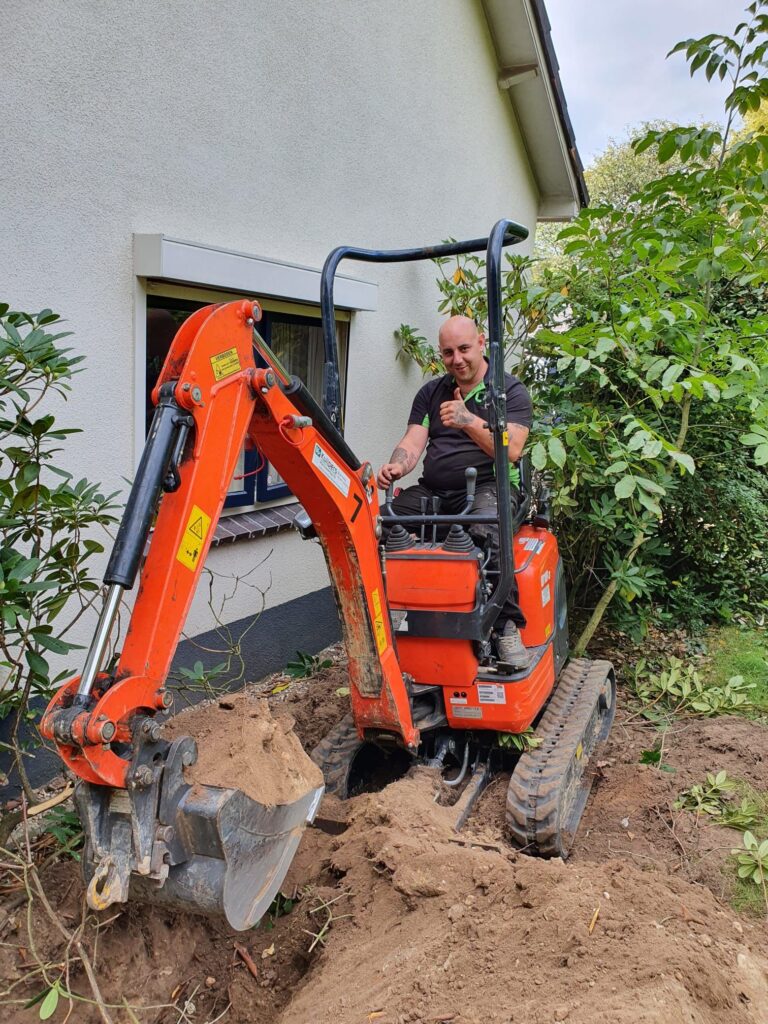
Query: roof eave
[[529, 72]]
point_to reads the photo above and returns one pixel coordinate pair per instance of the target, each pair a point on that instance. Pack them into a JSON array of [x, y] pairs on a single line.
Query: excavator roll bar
[[504, 232]]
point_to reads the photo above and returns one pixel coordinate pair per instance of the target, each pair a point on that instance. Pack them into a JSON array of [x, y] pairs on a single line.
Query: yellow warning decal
[[547, 630], [225, 363], [191, 546], [505, 437], [378, 622], [579, 751]]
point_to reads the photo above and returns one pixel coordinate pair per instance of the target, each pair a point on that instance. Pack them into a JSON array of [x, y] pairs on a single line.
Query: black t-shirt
[[449, 450]]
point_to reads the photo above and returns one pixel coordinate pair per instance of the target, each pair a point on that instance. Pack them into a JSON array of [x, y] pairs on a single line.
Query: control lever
[[390, 497], [470, 474], [423, 502], [435, 511]]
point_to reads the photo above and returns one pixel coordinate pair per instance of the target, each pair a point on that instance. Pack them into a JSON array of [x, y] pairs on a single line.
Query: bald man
[[449, 419]]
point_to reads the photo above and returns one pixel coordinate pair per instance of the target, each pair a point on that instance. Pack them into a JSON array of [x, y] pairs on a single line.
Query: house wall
[[278, 129]]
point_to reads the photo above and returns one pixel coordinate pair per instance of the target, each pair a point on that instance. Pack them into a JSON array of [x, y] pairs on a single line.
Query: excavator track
[[550, 785], [335, 754]]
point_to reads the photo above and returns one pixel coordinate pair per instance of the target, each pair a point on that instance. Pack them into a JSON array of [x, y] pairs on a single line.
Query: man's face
[[462, 350]]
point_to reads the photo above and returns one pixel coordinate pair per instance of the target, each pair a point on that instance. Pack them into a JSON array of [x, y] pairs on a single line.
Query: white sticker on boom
[[329, 469], [467, 712], [399, 619], [530, 543], [545, 596], [491, 693], [457, 700]]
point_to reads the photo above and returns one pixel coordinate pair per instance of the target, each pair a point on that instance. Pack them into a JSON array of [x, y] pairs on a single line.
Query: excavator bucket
[[201, 848]]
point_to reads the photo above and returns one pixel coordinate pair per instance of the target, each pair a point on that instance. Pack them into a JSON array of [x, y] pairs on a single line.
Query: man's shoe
[[511, 648]]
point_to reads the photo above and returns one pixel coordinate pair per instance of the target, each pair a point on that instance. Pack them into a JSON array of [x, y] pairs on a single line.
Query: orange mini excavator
[[417, 604]]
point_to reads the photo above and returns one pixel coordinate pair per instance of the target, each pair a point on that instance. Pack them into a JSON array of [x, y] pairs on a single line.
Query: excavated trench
[[393, 918]]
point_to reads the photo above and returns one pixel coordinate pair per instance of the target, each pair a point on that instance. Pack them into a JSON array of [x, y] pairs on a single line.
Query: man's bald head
[[462, 349], [457, 329]]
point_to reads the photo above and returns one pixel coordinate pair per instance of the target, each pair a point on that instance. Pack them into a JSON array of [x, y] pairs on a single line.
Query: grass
[[736, 651], [746, 897]]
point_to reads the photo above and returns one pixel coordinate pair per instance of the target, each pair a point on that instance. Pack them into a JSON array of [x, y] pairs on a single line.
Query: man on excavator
[[450, 420]]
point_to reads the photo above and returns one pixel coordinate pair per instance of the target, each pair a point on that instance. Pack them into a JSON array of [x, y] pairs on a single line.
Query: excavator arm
[[211, 398]]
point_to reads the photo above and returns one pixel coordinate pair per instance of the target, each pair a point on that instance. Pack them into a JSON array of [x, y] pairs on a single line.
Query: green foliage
[[716, 532], [48, 1001], [64, 825], [280, 906], [708, 797], [679, 689], [416, 347], [734, 804], [520, 741], [48, 519], [655, 756], [306, 665], [734, 650], [752, 862], [646, 350], [201, 678]]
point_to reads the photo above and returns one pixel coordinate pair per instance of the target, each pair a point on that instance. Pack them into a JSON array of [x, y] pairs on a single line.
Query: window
[[293, 332]]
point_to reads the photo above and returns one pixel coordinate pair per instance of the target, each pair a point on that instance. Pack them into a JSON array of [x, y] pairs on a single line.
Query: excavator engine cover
[[431, 580], [201, 848]]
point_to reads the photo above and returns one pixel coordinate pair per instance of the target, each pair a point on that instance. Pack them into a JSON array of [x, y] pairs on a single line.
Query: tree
[[48, 520], [646, 352], [649, 343]]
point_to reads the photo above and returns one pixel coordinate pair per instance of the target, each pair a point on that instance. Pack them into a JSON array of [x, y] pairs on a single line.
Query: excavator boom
[[212, 398]]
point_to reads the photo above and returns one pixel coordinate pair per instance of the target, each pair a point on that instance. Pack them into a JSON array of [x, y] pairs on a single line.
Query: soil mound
[[242, 746], [389, 917], [443, 930]]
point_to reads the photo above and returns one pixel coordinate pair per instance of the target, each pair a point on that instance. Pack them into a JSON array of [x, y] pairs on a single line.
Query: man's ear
[[481, 339]]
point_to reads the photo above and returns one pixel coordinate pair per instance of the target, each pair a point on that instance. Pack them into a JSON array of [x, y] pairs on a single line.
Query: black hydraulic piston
[[165, 443]]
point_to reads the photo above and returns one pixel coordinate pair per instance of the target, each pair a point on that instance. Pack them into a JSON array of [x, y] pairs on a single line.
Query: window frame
[[256, 492]]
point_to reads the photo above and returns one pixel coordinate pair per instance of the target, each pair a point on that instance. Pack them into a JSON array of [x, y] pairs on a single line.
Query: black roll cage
[[503, 233]]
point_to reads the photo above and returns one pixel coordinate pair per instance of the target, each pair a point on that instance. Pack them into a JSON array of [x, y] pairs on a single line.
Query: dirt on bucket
[[241, 745]]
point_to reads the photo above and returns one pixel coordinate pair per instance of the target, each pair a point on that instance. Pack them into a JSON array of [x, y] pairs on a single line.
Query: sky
[[612, 66]]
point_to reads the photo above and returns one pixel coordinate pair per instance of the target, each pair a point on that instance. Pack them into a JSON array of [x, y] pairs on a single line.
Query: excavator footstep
[[200, 848]]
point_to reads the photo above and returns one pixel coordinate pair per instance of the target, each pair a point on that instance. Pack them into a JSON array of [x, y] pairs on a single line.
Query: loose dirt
[[397, 920], [241, 745]]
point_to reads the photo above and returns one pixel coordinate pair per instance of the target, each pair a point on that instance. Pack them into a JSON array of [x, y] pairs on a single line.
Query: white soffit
[[524, 75], [171, 259]]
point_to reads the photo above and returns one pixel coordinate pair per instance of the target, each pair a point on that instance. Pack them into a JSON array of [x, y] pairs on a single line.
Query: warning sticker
[[467, 712], [545, 596], [378, 622], [491, 693], [191, 546], [399, 620], [505, 437], [329, 469], [530, 543], [225, 363], [457, 700]]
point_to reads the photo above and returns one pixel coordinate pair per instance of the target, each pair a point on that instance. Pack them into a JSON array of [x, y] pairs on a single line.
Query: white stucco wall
[[279, 129]]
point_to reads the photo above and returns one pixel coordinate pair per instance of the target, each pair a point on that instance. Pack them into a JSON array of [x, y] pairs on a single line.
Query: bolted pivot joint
[[142, 777], [75, 726]]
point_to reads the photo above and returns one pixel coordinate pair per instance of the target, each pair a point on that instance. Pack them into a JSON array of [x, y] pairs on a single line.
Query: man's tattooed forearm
[[406, 459]]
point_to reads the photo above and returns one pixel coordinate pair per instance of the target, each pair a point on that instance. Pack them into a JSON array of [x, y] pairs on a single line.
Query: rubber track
[[550, 785], [334, 756]]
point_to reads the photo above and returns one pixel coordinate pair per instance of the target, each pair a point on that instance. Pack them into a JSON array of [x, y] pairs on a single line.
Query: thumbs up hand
[[455, 414]]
